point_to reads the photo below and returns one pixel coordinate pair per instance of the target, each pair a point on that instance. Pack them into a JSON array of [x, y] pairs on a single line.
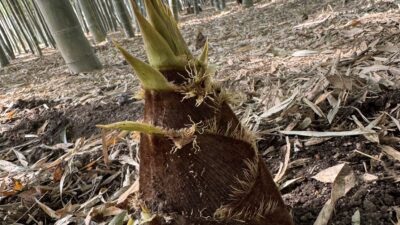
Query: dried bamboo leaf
[[356, 218], [304, 53], [326, 213], [10, 167], [343, 182], [68, 219], [21, 158], [391, 152], [48, 210], [329, 175], [132, 189], [396, 121], [118, 219], [277, 108], [289, 182], [278, 177], [314, 107], [327, 133], [332, 113], [322, 97]]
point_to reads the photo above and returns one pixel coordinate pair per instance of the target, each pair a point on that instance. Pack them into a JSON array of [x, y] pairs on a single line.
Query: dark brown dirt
[[78, 121], [372, 199]]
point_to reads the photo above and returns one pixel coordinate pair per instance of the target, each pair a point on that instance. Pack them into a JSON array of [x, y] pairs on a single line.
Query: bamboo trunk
[[123, 16], [10, 32], [67, 32], [25, 27], [43, 24], [92, 22], [247, 3], [13, 25], [103, 12], [32, 19], [110, 13], [196, 7], [217, 6], [3, 57], [99, 15], [6, 43], [79, 14], [223, 4]]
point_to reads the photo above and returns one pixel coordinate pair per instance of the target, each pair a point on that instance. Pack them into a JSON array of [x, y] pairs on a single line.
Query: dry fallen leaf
[[53, 214], [391, 152], [367, 177], [17, 185], [134, 188], [10, 167], [355, 219], [282, 170], [343, 181], [10, 115], [58, 173], [329, 175]]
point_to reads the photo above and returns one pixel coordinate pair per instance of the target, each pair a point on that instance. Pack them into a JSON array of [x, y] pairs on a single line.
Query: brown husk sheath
[[198, 165], [219, 179]]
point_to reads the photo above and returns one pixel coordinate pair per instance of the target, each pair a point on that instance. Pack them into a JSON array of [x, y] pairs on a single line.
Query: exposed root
[[199, 83], [183, 137]]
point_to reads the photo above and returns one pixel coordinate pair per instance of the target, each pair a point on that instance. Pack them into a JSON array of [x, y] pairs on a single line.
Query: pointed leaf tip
[[150, 78], [162, 19], [158, 50], [204, 54]]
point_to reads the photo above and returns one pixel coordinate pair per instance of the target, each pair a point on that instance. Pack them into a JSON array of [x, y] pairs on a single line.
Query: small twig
[[29, 209], [369, 156]]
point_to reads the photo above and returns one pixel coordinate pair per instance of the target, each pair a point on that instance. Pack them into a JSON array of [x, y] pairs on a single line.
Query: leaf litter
[[319, 83]]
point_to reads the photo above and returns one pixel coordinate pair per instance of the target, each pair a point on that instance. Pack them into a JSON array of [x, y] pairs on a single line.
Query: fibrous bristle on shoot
[[198, 83], [224, 96], [238, 207], [238, 132], [244, 185]]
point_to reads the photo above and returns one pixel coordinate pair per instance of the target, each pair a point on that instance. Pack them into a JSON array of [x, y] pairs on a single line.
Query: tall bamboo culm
[[67, 32]]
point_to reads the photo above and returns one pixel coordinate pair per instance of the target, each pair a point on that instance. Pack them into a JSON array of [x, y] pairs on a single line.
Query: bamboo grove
[[24, 28]]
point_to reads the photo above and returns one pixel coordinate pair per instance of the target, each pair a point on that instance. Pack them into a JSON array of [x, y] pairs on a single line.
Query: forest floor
[[318, 80]]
